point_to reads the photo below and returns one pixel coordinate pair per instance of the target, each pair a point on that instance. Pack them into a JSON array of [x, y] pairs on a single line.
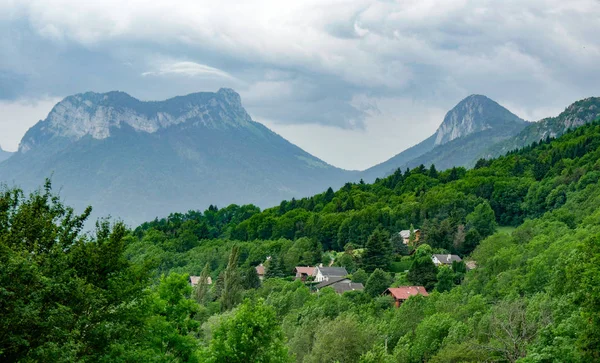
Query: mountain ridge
[[213, 154], [95, 114], [473, 114]]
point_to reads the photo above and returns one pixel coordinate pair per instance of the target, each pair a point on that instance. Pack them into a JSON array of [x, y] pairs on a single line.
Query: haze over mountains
[[4, 154], [139, 160]]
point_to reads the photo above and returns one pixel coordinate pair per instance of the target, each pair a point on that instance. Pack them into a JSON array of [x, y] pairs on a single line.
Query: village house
[[471, 265], [194, 280], [402, 293], [260, 271], [405, 235], [328, 273], [304, 272], [440, 260], [341, 285]]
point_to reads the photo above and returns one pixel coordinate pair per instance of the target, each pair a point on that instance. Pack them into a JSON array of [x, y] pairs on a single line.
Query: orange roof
[[404, 292], [310, 271]]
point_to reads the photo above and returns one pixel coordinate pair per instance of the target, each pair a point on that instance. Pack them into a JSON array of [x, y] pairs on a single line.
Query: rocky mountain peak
[[95, 114], [473, 114]]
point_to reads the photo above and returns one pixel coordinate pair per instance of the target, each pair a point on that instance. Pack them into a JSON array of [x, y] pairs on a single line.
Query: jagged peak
[[472, 114]]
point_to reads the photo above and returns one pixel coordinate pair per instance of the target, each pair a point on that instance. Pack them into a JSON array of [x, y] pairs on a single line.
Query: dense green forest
[[123, 295]]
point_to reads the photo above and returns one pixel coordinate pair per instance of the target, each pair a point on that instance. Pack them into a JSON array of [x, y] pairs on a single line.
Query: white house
[[326, 273], [439, 260]]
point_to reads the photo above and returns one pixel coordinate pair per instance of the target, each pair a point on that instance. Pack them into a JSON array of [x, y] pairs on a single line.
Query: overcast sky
[[353, 82]]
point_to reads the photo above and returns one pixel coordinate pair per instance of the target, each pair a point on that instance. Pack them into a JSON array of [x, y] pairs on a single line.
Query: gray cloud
[[309, 62]]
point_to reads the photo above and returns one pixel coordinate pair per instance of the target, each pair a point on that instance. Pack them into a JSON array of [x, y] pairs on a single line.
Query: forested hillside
[[123, 295]]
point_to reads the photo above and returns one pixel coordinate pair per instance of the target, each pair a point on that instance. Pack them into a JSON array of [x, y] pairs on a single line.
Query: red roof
[[310, 271], [404, 292]]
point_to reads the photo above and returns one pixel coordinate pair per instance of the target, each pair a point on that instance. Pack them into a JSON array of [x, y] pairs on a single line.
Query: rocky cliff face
[[95, 114], [473, 114], [470, 127]]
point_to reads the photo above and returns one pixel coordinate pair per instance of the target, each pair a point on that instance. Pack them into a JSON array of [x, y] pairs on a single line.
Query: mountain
[[467, 130], [4, 154], [138, 160], [578, 114]]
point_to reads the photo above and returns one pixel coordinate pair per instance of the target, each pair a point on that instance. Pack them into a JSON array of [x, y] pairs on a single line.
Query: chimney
[[320, 265], [449, 257]]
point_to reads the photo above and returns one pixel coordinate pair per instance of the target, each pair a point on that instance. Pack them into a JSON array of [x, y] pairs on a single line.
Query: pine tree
[[202, 289], [250, 279], [378, 282], [232, 283], [329, 194], [433, 173], [378, 251], [276, 268]]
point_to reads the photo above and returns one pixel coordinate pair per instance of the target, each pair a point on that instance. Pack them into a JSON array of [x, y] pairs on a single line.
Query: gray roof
[[406, 233], [448, 259], [333, 271], [331, 281], [341, 287]]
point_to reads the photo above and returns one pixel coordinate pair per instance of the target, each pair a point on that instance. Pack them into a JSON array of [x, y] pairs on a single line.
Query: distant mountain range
[[478, 127], [4, 155], [139, 160], [470, 127]]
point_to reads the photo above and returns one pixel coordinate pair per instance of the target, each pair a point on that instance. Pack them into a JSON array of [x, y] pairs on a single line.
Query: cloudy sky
[[352, 81]]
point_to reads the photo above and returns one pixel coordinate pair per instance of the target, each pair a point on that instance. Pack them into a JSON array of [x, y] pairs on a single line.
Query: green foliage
[[113, 295], [482, 219], [252, 334], [445, 279], [377, 251], [232, 281], [360, 276], [422, 271], [378, 282]]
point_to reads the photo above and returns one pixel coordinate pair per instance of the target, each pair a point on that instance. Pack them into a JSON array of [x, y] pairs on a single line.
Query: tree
[[65, 295], [482, 219], [202, 288], [275, 268], [252, 334], [445, 279], [423, 271], [412, 237], [459, 238], [433, 173], [232, 282], [360, 276], [342, 340], [170, 330], [377, 251], [378, 282], [250, 279]]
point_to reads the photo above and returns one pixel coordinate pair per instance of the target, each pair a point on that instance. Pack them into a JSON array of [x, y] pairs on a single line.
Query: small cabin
[[405, 235], [402, 293], [304, 272]]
